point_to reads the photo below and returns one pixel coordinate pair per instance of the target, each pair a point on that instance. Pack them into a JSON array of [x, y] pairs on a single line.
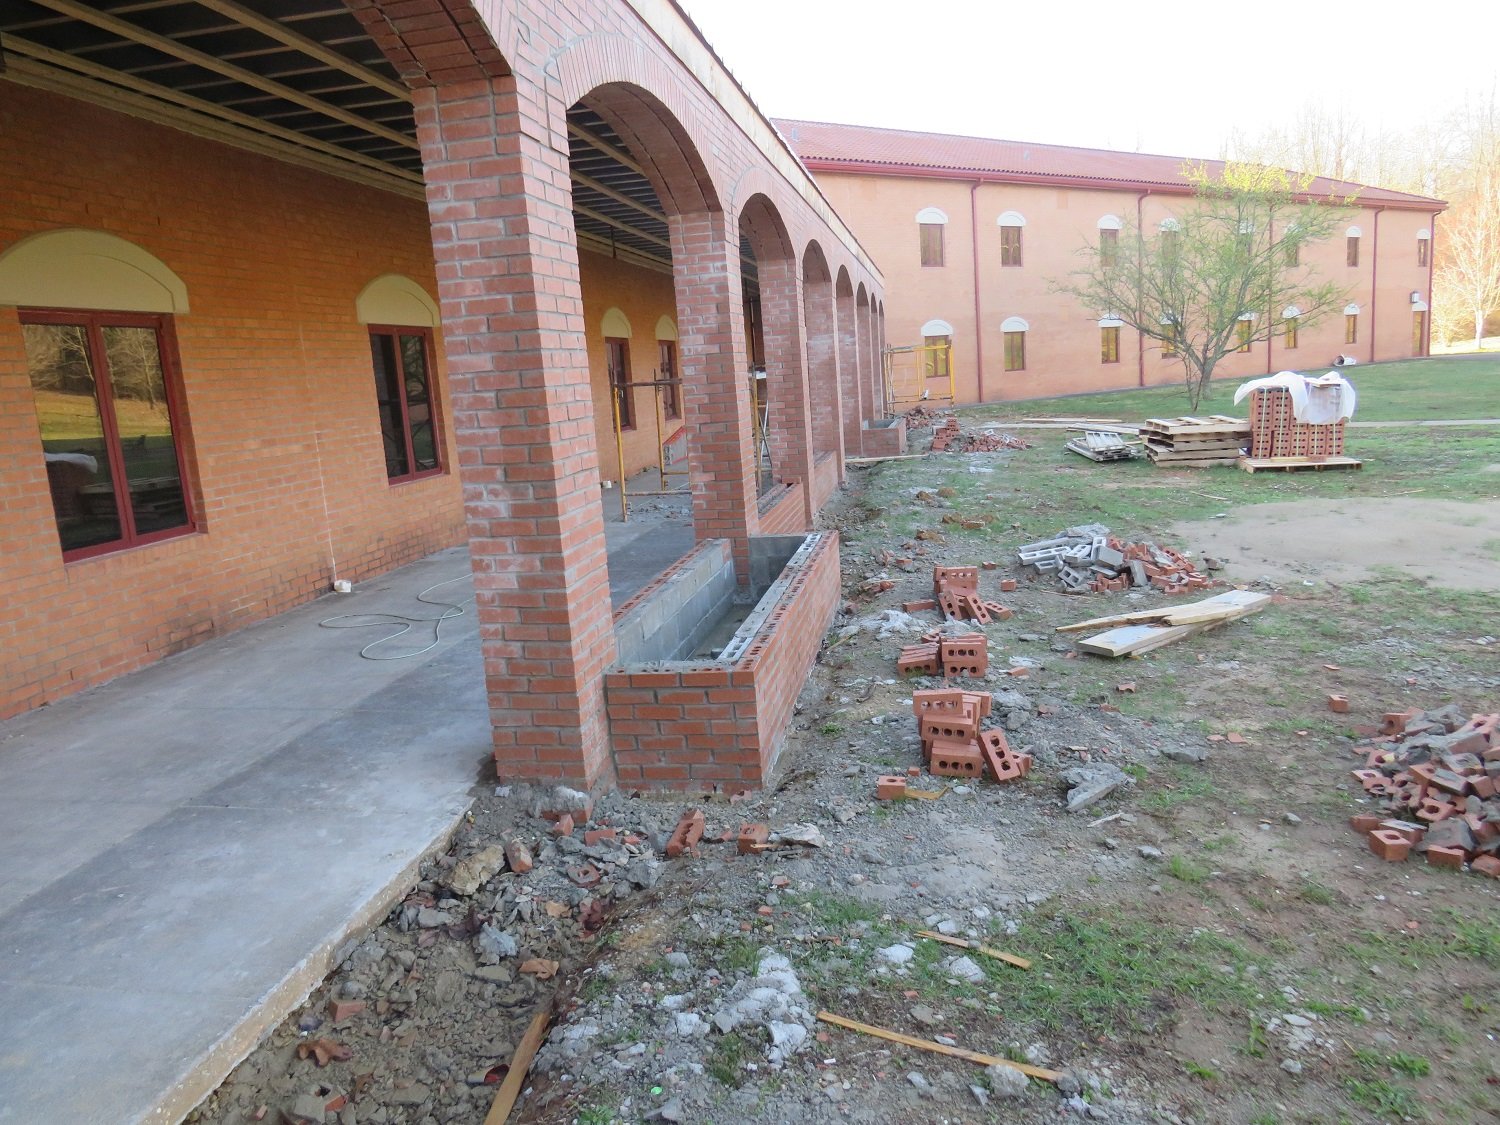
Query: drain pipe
[[1140, 338], [978, 323], [1431, 265], [1374, 278]]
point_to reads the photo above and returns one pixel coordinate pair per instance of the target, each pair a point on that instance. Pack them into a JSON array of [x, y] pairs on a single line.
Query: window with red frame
[[670, 404], [107, 395], [402, 359]]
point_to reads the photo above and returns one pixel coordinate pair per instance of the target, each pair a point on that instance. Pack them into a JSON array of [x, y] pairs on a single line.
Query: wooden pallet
[[1296, 464], [1100, 446]]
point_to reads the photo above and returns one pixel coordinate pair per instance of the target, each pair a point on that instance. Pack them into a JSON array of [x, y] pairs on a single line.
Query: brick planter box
[[720, 723], [885, 438]]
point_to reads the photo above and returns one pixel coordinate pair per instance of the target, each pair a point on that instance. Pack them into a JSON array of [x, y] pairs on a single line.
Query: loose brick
[[1487, 865], [688, 832], [1364, 824], [1445, 857], [890, 788], [1389, 846], [751, 836], [1338, 704]]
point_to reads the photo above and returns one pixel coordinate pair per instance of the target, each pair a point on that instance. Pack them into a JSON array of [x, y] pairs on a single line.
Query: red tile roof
[[863, 148]]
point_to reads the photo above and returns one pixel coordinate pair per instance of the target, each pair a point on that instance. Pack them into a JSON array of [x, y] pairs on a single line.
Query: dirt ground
[[1209, 943], [1449, 544]]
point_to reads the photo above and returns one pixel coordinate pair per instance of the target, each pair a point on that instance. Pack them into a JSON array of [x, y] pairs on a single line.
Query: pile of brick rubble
[[955, 743], [1089, 558], [1437, 776], [951, 438]]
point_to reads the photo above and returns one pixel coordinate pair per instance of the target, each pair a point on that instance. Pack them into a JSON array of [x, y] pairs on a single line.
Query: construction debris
[[939, 1048], [1088, 558], [950, 437], [1437, 774], [956, 592], [1195, 443], [953, 741], [1105, 445], [977, 947], [956, 655], [1136, 633]]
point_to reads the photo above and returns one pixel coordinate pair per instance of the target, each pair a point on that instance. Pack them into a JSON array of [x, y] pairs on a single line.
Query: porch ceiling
[[299, 80]]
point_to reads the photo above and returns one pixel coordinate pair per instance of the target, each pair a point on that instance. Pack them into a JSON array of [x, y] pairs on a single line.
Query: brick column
[[868, 396], [507, 268], [790, 418], [822, 367], [849, 376], [715, 372]]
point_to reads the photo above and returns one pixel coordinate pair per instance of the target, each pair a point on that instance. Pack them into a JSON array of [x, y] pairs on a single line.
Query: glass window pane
[[144, 424], [419, 402], [67, 410], [388, 397]]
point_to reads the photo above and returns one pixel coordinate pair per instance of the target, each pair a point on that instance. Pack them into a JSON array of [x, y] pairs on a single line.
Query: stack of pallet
[[1104, 445], [953, 745], [1195, 443], [956, 590], [952, 656]]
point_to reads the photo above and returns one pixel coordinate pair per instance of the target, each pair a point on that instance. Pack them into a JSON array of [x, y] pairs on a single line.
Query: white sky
[[1169, 77]]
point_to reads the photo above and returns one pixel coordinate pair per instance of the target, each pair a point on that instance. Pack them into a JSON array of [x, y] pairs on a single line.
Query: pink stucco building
[[970, 232]]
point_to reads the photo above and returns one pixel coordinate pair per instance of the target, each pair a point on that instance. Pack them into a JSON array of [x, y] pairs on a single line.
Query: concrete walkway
[[184, 851]]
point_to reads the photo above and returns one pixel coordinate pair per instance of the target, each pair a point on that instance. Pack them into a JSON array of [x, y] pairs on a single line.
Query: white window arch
[[1110, 222], [616, 324], [1169, 223], [1111, 322], [1351, 309], [1291, 312], [937, 327], [395, 299], [1352, 232], [1423, 235], [1011, 219], [1419, 305], [932, 215], [88, 269], [1014, 324], [666, 328]]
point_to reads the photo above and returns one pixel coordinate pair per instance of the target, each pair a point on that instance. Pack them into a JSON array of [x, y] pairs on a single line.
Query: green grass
[[1186, 871], [1466, 386], [1392, 1100], [727, 1058]]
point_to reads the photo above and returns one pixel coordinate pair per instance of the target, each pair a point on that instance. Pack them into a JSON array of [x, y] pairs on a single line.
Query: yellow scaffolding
[[662, 461], [918, 373]]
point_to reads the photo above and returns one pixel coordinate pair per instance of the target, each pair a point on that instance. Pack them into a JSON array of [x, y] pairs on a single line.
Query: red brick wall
[[708, 726], [287, 457], [787, 513]]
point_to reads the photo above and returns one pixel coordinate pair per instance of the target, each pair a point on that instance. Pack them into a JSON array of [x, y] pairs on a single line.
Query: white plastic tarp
[[1318, 402]]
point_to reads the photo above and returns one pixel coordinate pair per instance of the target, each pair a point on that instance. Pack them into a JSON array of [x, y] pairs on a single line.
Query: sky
[[1167, 77]]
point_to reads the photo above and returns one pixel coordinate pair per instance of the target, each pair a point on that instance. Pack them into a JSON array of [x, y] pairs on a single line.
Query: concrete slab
[[184, 851]]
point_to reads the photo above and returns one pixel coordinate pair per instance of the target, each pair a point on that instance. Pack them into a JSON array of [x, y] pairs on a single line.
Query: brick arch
[[849, 363], [660, 143], [865, 326], [788, 419], [432, 42], [820, 331]]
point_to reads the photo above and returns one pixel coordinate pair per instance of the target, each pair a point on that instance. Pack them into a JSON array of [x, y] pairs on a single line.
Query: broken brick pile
[[950, 437], [951, 656], [955, 590], [1090, 558], [1437, 775], [954, 743]]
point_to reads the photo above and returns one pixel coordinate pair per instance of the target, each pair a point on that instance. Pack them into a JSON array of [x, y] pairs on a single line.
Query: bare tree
[[1466, 274], [1221, 274]]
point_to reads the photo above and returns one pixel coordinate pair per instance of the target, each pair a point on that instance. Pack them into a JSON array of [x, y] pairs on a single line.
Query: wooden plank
[[937, 1048], [997, 954], [1130, 639], [1297, 464], [1220, 605], [520, 1063]]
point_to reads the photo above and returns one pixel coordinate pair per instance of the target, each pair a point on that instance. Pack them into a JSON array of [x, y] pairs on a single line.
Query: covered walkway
[[186, 849]]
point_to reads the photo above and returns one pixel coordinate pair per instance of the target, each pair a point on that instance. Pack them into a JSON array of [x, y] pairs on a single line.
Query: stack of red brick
[[950, 437], [952, 656], [1437, 774], [954, 743], [955, 590]]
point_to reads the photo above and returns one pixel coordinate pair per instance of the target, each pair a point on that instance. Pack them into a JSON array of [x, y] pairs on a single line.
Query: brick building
[[293, 292], [970, 231]]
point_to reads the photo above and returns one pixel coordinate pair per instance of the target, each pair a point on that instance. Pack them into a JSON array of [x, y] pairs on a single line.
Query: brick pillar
[[849, 377], [522, 408], [867, 386], [790, 419], [823, 368], [715, 372]]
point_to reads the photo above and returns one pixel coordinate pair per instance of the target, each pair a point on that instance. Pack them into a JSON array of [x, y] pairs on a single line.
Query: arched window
[[930, 224], [666, 369], [1109, 339], [937, 344], [1244, 328], [1109, 244], [1351, 323], [97, 325], [1291, 320], [1424, 247], [617, 335], [1351, 247], [1014, 330], [1010, 224], [401, 316]]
